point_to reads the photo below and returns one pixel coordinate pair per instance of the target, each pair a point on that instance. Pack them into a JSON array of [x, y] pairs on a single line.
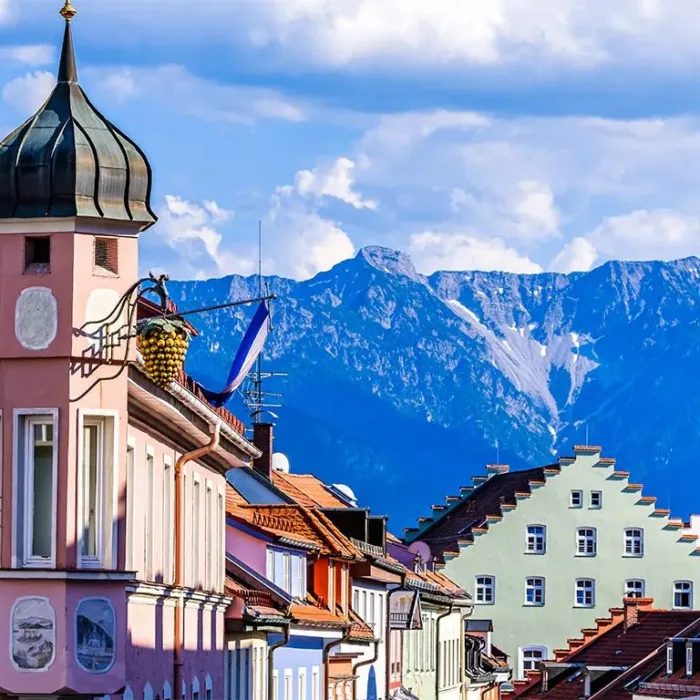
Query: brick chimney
[[263, 439], [632, 607]]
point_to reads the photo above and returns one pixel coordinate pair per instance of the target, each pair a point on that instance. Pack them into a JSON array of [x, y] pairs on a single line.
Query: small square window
[[576, 499], [107, 255], [37, 254], [596, 499]]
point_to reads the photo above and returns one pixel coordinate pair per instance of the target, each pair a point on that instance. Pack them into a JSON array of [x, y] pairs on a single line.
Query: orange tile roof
[[307, 489], [314, 614], [296, 522], [359, 629], [233, 498]]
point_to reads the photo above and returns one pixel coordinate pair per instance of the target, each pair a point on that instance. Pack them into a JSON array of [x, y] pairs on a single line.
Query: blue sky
[[523, 135]]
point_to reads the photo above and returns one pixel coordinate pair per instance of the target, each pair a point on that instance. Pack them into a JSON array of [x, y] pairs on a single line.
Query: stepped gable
[[457, 523], [622, 649], [473, 511]]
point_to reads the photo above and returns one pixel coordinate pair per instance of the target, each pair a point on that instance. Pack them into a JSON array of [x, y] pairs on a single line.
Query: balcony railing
[[367, 548], [258, 599]]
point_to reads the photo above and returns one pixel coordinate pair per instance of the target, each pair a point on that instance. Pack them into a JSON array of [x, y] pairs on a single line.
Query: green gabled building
[[546, 551]]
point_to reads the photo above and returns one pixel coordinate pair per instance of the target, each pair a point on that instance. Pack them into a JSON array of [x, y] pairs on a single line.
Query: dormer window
[[37, 255]]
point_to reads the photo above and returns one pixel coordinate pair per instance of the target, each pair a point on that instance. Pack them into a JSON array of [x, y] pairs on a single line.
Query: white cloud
[[31, 54], [402, 35], [537, 215], [335, 180], [306, 243], [192, 95], [579, 255], [192, 230], [433, 251], [28, 92]]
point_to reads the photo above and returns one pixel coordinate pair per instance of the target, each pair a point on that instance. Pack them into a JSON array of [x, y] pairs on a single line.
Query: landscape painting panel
[[94, 634], [33, 634]]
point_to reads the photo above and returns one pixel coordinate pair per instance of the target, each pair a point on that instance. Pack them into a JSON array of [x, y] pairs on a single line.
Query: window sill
[[533, 605], [585, 607], [586, 556], [536, 553], [633, 556], [479, 603]]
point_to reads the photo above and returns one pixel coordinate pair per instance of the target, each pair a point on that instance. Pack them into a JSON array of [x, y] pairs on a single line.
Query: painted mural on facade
[[94, 635], [33, 634]]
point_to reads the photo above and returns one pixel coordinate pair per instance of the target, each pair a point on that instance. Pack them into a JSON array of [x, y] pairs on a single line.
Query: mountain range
[[403, 386]]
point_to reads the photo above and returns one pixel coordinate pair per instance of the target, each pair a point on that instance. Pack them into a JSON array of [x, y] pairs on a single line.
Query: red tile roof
[[636, 650], [298, 523], [473, 512], [307, 489]]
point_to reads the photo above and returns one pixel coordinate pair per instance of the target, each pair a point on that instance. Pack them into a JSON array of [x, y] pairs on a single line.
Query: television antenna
[[256, 399]]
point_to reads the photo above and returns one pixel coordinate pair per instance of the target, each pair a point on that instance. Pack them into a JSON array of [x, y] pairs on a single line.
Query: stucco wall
[[302, 652], [501, 552], [368, 650], [419, 668]]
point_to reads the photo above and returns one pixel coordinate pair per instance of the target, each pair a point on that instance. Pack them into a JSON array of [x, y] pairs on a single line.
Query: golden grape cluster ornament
[[163, 344]]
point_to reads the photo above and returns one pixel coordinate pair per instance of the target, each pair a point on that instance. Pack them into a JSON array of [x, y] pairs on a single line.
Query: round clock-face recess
[[36, 318]]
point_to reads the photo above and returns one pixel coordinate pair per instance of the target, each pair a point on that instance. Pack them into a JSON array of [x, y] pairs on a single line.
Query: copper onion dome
[[68, 160]]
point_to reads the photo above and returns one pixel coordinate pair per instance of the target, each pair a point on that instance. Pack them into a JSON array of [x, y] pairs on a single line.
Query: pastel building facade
[[89, 446], [306, 561], [546, 551]]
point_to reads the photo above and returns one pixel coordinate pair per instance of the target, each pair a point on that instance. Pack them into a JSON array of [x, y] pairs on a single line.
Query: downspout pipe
[[272, 648], [463, 665], [326, 663], [438, 660], [179, 548], [388, 636], [359, 664]]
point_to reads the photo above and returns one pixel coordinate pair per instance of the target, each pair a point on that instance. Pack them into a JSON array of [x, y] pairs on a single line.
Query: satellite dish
[[346, 492], [280, 463], [422, 552]]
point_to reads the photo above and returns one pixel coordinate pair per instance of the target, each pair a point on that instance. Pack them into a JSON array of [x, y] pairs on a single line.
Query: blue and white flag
[[251, 346]]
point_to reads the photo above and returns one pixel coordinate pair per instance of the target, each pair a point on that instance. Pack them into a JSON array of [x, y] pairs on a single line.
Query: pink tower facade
[[91, 451]]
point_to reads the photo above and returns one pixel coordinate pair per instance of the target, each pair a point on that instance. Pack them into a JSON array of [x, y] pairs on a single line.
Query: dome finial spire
[[67, 70], [68, 11]]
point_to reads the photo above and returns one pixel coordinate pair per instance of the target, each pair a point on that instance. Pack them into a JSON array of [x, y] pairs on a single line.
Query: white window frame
[[288, 688], [487, 583], [678, 591], [168, 519], [209, 551], [196, 531], [301, 684], [23, 417], [287, 572], [130, 502], [599, 505], [637, 591], [583, 541], [632, 542], [270, 564], [522, 651], [107, 485], [583, 588], [149, 516], [535, 584], [532, 540], [221, 539], [315, 683], [576, 495], [275, 685]]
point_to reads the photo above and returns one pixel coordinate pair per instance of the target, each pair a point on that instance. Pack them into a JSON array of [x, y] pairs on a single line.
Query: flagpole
[[256, 416]]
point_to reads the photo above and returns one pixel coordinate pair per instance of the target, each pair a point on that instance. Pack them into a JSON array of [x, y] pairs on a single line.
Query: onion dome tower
[[69, 161]]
